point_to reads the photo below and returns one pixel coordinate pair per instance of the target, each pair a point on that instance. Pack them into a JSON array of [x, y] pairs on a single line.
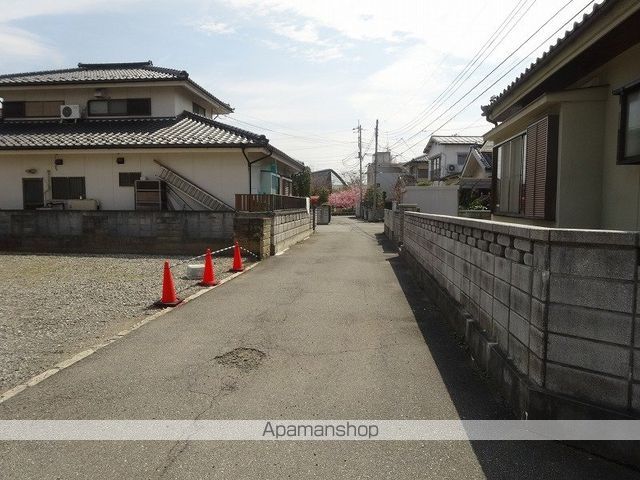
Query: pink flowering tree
[[348, 197]]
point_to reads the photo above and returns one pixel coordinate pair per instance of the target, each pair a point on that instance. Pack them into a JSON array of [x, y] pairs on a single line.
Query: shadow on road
[[473, 400]]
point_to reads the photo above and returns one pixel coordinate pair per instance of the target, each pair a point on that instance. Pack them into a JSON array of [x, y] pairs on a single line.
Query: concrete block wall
[[114, 231], [592, 343], [559, 305], [253, 232], [288, 228]]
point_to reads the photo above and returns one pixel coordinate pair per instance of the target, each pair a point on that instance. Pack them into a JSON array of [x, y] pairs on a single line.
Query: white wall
[[223, 174], [449, 156], [433, 199], [166, 101], [620, 183]]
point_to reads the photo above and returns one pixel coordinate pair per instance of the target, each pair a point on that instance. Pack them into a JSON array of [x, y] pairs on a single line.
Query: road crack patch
[[244, 359]]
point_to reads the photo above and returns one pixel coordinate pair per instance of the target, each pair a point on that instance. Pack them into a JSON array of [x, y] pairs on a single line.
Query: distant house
[[327, 178], [387, 174], [567, 130], [447, 154], [418, 167], [84, 137], [476, 172]]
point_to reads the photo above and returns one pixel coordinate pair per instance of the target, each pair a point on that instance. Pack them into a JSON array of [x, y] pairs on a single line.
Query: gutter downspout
[[249, 162]]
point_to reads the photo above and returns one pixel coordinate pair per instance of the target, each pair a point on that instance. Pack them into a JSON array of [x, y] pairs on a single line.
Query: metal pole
[[375, 173], [360, 158]]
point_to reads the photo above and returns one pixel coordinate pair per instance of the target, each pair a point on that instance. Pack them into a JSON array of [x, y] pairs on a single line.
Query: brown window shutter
[[530, 172], [541, 169]]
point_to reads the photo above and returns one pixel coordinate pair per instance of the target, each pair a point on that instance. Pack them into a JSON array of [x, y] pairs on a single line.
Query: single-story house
[[567, 130], [418, 167], [81, 138], [327, 178]]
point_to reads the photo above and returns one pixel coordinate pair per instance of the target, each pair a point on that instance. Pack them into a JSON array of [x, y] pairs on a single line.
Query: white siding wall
[[433, 199], [449, 156], [221, 173], [166, 101]]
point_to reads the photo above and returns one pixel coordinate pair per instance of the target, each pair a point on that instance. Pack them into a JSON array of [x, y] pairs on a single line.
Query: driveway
[[333, 329]]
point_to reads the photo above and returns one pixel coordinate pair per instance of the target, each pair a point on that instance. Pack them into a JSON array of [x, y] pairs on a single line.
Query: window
[[139, 107], [629, 132], [67, 188], [525, 172], [510, 176], [32, 109], [462, 158], [435, 168], [198, 110], [423, 172], [128, 179]]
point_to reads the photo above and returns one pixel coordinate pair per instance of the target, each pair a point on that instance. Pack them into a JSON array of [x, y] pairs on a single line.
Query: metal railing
[[262, 202]]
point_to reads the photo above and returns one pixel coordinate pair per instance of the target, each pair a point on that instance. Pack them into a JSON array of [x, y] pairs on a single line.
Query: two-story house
[[82, 137], [448, 154], [385, 173]]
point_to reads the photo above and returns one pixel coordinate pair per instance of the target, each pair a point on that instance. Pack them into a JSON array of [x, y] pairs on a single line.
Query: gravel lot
[[53, 306]]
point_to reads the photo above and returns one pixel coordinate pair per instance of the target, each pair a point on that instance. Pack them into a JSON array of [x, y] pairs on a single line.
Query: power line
[[456, 81], [500, 64], [342, 130], [298, 137], [506, 72]]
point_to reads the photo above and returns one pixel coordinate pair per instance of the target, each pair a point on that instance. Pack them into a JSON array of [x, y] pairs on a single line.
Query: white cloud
[[307, 33], [16, 42], [219, 28], [19, 9]]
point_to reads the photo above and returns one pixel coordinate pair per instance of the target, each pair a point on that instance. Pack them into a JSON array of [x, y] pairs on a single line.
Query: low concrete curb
[[90, 351]]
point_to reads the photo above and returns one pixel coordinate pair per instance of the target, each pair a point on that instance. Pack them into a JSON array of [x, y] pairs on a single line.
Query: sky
[[305, 72]]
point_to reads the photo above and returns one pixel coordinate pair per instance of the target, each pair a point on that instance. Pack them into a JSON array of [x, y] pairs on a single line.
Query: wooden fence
[[267, 203]]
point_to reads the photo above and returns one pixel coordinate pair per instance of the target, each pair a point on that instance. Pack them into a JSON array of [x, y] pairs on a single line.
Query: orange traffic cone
[[169, 297], [237, 259], [209, 275]]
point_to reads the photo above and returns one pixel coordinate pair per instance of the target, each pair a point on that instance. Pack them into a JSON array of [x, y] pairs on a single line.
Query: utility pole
[[375, 172], [359, 128]]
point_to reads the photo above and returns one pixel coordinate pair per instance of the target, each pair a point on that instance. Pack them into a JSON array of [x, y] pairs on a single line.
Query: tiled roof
[[185, 130], [420, 159], [578, 27], [456, 140], [452, 140], [91, 73]]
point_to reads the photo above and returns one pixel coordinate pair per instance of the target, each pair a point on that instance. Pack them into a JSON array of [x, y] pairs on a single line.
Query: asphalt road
[[334, 329]]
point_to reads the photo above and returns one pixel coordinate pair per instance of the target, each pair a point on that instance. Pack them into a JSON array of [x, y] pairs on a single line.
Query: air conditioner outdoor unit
[[451, 168], [69, 111]]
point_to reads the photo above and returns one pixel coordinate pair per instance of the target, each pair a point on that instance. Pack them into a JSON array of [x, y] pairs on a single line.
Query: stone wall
[[550, 314], [289, 227], [114, 231]]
